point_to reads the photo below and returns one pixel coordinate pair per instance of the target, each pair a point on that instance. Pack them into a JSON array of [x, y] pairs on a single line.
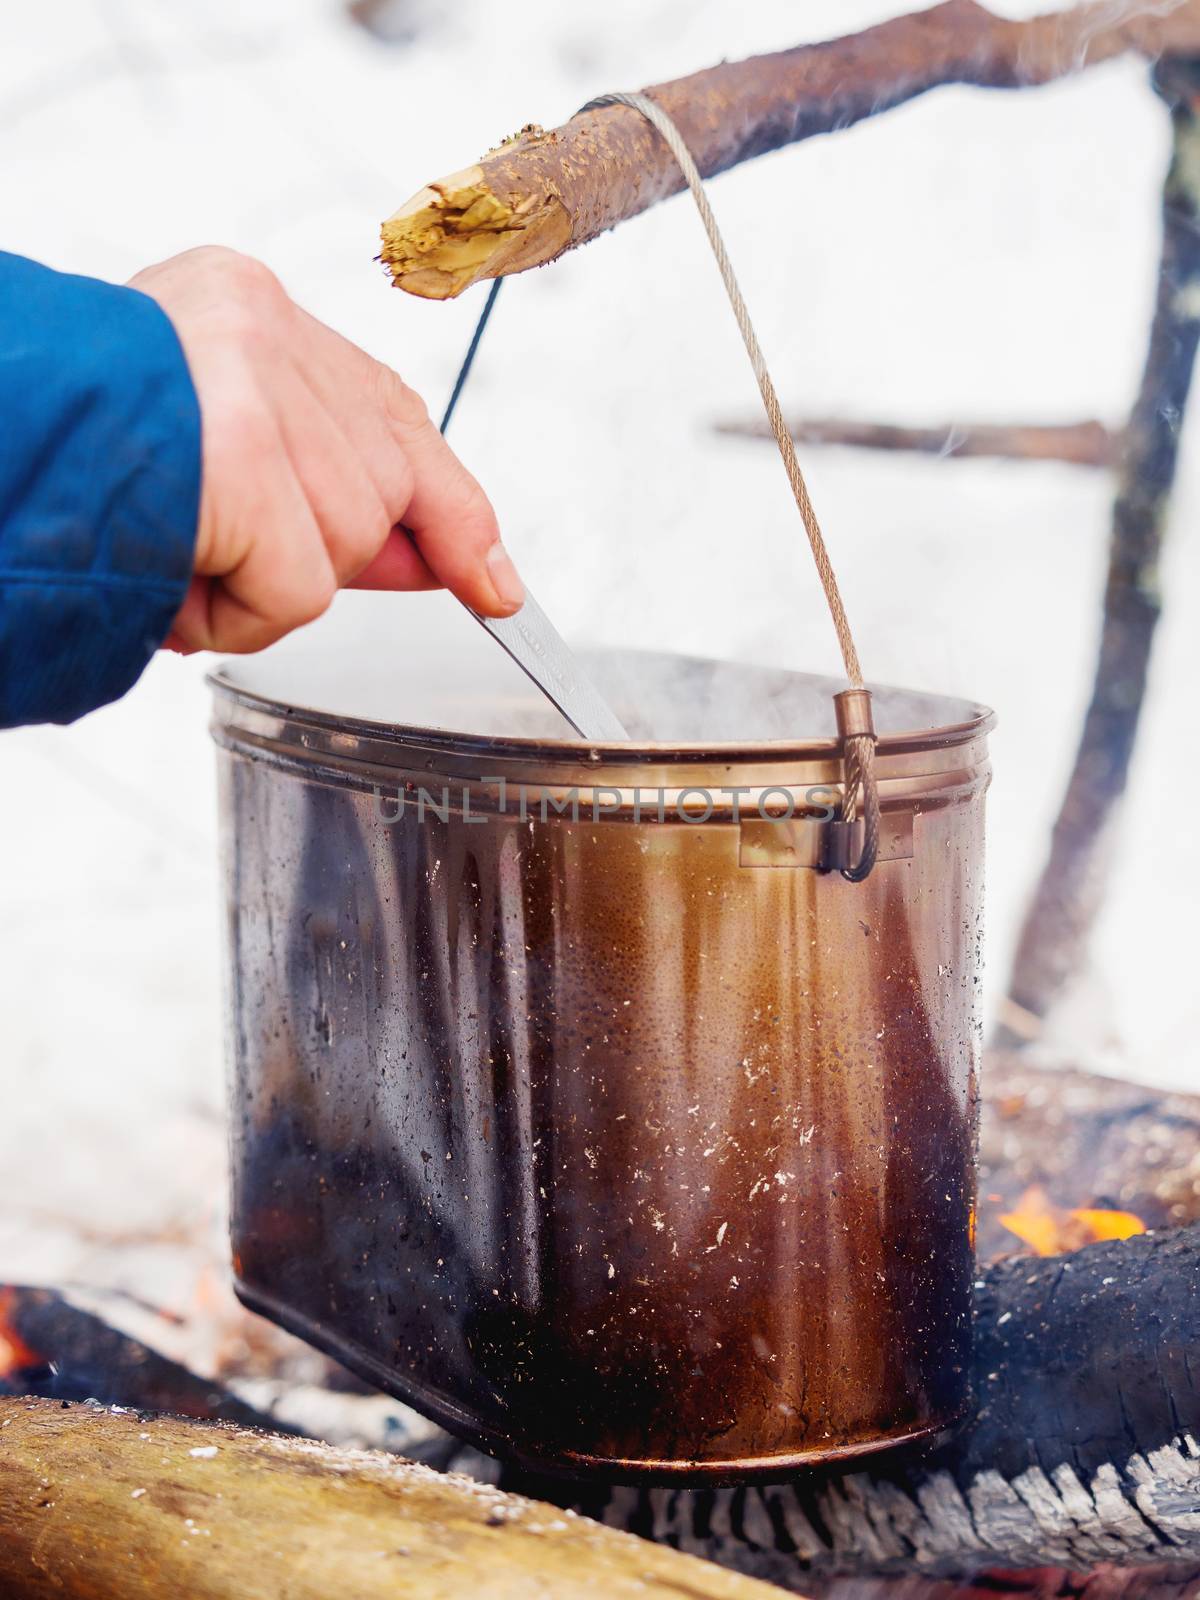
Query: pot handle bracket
[[854, 836]]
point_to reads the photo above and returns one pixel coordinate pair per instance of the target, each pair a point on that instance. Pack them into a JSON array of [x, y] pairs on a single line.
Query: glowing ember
[[1050, 1230], [15, 1355]]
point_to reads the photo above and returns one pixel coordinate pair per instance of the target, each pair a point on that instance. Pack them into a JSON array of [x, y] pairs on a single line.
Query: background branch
[[1082, 444], [1053, 941]]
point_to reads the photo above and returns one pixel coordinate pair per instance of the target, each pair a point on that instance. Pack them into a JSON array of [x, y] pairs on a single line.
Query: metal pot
[[621, 1139]]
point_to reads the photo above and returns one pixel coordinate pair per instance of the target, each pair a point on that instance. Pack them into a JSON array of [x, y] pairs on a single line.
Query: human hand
[[314, 455]]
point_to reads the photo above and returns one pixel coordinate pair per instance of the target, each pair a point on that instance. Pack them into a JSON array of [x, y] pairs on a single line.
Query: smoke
[[1077, 29]]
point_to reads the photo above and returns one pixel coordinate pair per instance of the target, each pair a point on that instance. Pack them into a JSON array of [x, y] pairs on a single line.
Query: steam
[[1079, 27], [421, 662]]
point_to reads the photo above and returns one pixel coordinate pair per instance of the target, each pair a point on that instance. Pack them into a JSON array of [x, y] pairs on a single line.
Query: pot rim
[[632, 752]]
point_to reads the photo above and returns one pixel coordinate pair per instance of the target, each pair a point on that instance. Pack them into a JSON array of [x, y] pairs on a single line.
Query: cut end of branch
[[457, 231]]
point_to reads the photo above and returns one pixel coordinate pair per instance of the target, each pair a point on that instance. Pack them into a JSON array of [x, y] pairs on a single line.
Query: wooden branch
[[1083, 1449], [541, 193], [1081, 444], [95, 1502], [1053, 941]]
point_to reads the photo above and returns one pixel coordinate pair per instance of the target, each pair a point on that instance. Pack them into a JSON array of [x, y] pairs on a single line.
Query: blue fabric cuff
[[100, 464]]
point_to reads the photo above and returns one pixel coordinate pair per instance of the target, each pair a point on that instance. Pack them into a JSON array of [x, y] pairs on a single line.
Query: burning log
[[1081, 444], [96, 1502], [49, 1347], [540, 193], [1083, 1449], [55, 1349], [1158, 1581]]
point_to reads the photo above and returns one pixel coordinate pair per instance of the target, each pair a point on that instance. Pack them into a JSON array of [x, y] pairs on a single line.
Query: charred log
[[542, 193], [1161, 1581], [96, 1503]]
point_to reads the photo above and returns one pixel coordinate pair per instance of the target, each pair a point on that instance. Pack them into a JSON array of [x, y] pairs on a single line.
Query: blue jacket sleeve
[[99, 489]]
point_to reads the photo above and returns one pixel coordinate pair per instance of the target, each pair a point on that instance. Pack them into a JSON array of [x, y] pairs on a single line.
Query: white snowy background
[[969, 256]]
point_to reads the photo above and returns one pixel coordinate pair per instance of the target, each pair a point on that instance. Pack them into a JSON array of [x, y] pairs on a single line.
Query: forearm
[[99, 489]]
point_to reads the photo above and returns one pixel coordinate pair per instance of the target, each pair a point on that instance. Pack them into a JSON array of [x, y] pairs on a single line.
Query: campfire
[[1082, 1312]]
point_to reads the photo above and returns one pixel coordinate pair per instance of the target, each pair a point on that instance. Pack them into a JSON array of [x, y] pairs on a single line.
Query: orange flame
[[1050, 1230], [1110, 1224], [15, 1354]]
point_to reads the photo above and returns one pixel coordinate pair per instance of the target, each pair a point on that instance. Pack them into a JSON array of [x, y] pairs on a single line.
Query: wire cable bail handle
[[855, 839]]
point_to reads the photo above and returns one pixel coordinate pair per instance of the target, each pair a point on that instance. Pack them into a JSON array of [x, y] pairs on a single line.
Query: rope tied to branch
[[860, 796]]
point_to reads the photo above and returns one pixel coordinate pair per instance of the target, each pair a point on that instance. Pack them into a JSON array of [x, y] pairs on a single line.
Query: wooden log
[[541, 193], [1054, 936], [99, 1502], [1080, 444]]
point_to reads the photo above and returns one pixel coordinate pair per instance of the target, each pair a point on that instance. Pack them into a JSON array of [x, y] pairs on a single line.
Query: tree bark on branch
[[541, 193]]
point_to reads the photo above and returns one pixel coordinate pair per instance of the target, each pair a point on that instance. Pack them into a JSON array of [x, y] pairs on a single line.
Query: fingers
[[357, 498], [452, 520], [421, 480], [341, 491], [398, 565]]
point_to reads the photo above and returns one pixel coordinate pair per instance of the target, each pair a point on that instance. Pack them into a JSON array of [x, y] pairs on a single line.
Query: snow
[[971, 255]]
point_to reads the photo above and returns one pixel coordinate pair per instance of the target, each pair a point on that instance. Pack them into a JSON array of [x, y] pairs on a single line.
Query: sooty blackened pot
[[624, 1145]]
